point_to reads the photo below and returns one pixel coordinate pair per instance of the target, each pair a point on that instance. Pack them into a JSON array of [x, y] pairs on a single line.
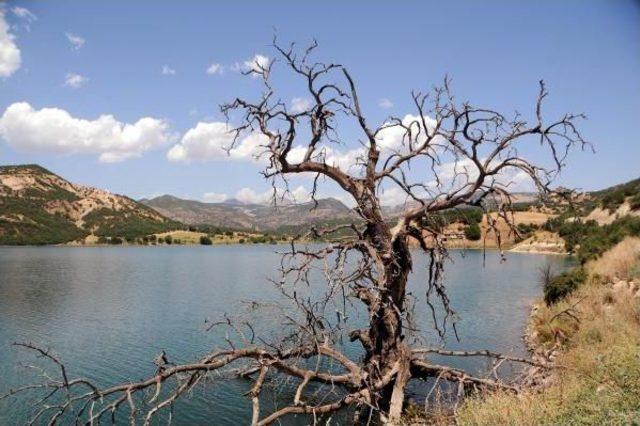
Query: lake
[[108, 311]]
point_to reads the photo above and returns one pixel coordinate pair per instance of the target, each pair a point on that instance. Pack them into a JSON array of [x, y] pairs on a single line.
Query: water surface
[[108, 311]]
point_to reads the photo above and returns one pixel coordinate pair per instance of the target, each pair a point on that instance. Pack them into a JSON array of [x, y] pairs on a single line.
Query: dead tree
[[447, 155]]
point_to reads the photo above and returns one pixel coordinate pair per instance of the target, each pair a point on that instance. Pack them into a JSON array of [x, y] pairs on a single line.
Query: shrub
[[168, 239], [613, 200], [205, 240], [561, 285], [115, 240], [635, 202], [102, 240], [472, 232]]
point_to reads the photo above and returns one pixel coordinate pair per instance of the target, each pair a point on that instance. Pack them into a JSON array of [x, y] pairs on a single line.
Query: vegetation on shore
[[596, 332], [588, 325]]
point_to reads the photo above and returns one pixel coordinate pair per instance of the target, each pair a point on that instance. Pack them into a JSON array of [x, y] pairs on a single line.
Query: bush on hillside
[[561, 285], [472, 232], [205, 240]]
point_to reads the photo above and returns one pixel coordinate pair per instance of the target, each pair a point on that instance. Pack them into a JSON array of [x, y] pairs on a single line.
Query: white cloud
[[26, 16], [213, 197], [346, 160], [211, 140], [76, 41], [53, 130], [214, 69], [10, 58], [300, 105], [23, 13], [256, 64], [167, 70], [393, 138], [75, 80], [385, 103], [249, 196], [392, 197]]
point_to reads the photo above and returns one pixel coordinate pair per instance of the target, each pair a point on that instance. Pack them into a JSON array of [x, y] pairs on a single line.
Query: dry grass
[[541, 242], [604, 217], [618, 262], [599, 382], [185, 237]]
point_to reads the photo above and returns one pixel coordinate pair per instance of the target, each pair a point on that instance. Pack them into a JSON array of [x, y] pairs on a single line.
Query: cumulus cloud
[[211, 141], [75, 80], [392, 138], [300, 105], [345, 160], [392, 197], [214, 69], [76, 41], [255, 64], [213, 197], [385, 103], [167, 70], [10, 58], [248, 196], [54, 130]]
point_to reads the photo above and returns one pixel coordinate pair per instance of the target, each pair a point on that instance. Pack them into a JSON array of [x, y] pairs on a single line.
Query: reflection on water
[[108, 311]]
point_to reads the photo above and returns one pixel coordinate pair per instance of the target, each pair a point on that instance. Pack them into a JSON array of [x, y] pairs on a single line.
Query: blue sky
[[83, 60]]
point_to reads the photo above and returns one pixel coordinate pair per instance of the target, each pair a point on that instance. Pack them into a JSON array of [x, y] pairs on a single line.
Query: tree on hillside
[[447, 155]]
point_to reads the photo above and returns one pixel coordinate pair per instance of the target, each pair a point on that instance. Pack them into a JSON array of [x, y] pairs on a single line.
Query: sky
[[125, 95]]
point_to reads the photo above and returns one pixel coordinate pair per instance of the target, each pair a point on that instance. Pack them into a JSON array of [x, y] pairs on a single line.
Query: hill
[[236, 215], [40, 207]]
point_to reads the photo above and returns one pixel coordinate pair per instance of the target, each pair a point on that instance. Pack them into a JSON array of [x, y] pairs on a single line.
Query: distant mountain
[[234, 214], [39, 207]]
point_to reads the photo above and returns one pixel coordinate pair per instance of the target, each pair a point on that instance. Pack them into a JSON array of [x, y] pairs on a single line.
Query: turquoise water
[[108, 311]]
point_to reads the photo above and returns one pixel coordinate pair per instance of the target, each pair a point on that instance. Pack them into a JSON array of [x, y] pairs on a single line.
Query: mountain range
[[40, 207], [260, 217]]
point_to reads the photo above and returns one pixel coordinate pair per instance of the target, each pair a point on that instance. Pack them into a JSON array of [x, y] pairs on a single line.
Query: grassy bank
[[596, 331]]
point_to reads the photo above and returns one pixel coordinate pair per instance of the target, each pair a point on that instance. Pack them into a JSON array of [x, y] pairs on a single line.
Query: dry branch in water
[[447, 155]]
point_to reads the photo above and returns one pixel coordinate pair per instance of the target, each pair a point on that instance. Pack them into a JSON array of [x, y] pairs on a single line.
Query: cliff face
[[40, 207]]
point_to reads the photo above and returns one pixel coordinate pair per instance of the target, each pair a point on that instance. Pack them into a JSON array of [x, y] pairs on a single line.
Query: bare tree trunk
[[388, 352]]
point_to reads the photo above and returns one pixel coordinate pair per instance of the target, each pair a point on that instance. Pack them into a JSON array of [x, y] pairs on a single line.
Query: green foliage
[[560, 286], [467, 216], [612, 198], [526, 229], [115, 240], [588, 240], [125, 224], [103, 240], [472, 232], [635, 202], [168, 239], [205, 240], [24, 221]]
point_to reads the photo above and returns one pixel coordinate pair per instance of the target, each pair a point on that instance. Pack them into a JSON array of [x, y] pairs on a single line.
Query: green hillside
[[39, 207]]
